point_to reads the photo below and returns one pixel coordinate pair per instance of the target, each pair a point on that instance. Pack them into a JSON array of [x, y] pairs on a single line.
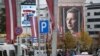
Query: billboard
[[72, 19], [27, 12]]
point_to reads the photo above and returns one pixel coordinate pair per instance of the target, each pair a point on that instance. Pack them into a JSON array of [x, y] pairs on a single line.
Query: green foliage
[[2, 20], [85, 41], [70, 42]]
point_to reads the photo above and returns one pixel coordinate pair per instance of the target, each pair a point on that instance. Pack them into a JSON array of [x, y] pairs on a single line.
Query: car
[[7, 49]]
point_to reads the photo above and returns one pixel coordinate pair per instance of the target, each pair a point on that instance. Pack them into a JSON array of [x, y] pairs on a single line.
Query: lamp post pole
[[54, 36], [38, 15]]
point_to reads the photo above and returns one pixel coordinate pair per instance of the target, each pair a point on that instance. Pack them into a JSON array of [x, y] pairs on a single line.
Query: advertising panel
[[27, 12], [72, 19]]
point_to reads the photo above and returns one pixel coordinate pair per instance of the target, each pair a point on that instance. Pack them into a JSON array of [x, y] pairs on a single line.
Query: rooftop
[[93, 5]]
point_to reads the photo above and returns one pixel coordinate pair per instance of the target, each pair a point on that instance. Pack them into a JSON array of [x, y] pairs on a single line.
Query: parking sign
[[44, 26]]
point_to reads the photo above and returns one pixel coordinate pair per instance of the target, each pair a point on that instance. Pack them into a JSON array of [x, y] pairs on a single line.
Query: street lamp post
[[54, 36], [38, 15]]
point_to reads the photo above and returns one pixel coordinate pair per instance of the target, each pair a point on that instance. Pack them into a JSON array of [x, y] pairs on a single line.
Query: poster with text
[[27, 12]]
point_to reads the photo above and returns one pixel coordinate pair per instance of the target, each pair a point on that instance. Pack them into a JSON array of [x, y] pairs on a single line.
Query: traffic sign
[[44, 26], [18, 30]]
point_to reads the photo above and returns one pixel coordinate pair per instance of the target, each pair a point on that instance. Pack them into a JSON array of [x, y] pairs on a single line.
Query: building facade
[[92, 20]]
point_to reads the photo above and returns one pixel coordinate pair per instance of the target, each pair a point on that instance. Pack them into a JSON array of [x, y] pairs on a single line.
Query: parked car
[[7, 49]]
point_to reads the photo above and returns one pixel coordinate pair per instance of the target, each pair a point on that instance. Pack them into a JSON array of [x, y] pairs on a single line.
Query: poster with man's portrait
[[72, 17]]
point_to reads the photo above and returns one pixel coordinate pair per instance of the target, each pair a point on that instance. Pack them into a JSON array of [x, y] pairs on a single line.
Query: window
[[96, 13], [90, 20], [97, 26], [93, 32], [5, 53], [88, 26], [94, 20], [93, 8], [0, 53], [88, 14], [12, 53]]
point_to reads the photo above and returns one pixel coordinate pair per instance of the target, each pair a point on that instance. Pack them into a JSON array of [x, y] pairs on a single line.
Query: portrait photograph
[[72, 17]]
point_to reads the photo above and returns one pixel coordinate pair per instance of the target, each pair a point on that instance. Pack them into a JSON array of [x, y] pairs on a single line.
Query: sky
[[94, 1]]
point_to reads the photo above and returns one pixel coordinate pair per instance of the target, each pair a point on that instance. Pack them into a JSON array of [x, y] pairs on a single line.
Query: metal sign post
[[18, 31], [43, 26], [38, 13], [44, 29], [19, 47]]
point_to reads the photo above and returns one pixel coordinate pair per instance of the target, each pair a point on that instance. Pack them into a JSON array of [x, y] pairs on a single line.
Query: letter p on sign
[[44, 26]]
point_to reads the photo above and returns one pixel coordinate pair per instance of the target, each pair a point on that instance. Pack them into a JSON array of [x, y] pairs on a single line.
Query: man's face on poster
[[71, 21]]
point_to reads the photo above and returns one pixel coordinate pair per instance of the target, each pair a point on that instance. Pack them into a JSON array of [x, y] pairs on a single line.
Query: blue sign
[[44, 26]]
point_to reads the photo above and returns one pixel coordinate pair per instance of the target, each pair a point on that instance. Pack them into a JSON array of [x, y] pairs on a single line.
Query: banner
[[72, 19], [50, 4], [34, 27], [11, 20]]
